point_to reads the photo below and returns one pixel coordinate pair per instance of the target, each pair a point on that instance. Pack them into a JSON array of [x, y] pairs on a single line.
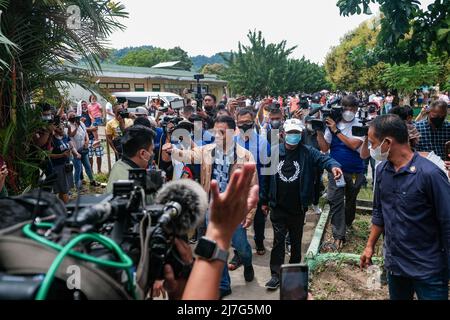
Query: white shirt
[[346, 129], [109, 108], [79, 137]]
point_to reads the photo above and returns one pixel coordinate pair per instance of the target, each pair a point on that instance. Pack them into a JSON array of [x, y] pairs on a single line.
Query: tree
[[352, 65], [259, 68], [304, 76], [406, 78], [44, 42], [144, 57], [215, 68], [408, 33]]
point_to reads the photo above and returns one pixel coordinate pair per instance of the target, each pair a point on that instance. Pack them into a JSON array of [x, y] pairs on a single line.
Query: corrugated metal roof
[[167, 64], [118, 71]]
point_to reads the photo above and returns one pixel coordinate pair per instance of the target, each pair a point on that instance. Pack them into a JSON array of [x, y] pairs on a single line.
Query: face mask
[[437, 122], [293, 139], [377, 154], [150, 158], [47, 118], [348, 116], [245, 127], [275, 124]]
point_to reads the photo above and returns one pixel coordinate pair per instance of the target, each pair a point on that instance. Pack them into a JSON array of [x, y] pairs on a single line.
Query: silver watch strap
[[220, 254]]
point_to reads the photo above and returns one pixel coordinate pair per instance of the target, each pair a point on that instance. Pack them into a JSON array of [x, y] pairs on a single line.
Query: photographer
[[78, 133], [137, 145], [344, 148], [115, 128]]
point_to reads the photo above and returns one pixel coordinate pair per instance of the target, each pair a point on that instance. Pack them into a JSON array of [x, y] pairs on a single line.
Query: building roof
[[169, 64], [118, 71]]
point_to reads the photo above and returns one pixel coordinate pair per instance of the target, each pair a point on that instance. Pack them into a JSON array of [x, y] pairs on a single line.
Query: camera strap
[[142, 272]]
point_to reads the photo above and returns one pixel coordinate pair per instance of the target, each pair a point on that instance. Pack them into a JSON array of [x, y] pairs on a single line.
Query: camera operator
[[137, 145], [115, 128], [344, 148]]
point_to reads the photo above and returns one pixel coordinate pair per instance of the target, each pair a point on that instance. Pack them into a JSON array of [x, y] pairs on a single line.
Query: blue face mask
[[293, 139]]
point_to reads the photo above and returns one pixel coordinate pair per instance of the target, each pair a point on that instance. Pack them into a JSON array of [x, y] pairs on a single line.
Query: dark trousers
[[343, 203], [318, 186], [259, 225], [282, 223], [433, 288]]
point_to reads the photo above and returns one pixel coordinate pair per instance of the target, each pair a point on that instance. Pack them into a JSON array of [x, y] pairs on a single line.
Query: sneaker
[[273, 283], [224, 292], [249, 273], [317, 210]]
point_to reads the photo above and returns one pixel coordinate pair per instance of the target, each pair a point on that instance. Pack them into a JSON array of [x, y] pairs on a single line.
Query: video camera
[[304, 101], [331, 110], [175, 120], [364, 111]]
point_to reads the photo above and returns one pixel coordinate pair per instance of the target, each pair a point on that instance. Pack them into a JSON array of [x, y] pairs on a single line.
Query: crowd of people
[[291, 141]]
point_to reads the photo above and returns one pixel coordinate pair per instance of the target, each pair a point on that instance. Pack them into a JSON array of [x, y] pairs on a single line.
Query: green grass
[[101, 177]]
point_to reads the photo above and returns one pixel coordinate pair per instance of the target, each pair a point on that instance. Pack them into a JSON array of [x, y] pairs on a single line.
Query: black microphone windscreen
[[192, 198]]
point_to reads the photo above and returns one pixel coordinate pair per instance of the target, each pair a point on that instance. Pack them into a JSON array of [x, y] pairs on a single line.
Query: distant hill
[[201, 60], [198, 61]]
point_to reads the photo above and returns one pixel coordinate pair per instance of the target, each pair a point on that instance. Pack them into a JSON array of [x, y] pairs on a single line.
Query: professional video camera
[[364, 111], [124, 114], [175, 120], [332, 110], [304, 101]]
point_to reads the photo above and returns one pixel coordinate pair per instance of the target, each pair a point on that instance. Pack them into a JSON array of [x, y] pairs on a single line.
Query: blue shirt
[[413, 206], [349, 159], [258, 147]]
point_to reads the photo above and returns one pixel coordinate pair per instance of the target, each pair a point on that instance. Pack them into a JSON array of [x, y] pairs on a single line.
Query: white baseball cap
[[293, 125]]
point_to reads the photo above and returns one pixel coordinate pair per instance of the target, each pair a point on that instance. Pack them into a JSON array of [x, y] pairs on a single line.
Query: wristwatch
[[337, 132], [207, 249]]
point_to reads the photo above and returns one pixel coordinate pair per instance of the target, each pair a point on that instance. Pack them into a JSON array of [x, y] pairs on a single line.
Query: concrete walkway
[[255, 290]]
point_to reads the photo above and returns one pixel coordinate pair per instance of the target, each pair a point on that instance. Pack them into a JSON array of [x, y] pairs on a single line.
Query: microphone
[[185, 204]]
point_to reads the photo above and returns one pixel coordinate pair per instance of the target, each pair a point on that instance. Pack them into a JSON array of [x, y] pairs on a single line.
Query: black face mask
[[275, 124], [438, 122], [245, 127]]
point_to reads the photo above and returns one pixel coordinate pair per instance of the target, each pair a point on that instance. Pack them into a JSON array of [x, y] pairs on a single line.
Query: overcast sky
[[210, 26]]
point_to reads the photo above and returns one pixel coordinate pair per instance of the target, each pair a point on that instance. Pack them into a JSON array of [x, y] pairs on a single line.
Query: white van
[[137, 99]]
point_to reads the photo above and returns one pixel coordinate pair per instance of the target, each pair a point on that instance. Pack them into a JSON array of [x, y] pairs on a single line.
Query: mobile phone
[[340, 183], [294, 282]]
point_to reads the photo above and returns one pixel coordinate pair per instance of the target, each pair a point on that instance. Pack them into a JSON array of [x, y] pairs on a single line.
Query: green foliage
[[408, 32], [406, 78], [150, 57], [44, 43], [352, 64], [261, 69], [215, 68]]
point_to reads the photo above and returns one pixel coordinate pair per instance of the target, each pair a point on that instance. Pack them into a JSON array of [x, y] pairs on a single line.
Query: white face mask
[[348, 116], [377, 154]]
